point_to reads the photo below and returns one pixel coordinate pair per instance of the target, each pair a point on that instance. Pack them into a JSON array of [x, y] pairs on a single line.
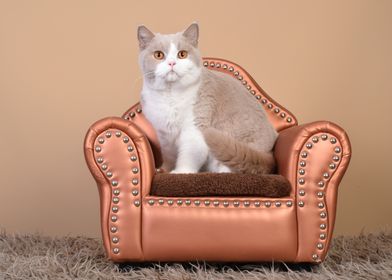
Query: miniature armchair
[[123, 155]]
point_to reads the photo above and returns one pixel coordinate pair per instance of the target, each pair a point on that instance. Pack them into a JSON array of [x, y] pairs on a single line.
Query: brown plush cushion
[[219, 184]]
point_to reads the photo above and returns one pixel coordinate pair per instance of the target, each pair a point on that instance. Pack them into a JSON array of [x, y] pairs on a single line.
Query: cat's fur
[[205, 120]]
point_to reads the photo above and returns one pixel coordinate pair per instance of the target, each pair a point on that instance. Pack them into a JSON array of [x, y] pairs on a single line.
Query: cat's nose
[[172, 63]]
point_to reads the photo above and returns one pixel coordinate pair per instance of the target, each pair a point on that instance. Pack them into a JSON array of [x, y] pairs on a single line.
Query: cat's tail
[[238, 156]]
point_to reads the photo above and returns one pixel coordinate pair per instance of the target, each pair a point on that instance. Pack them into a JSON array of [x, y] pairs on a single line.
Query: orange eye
[[182, 54], [158, 55]]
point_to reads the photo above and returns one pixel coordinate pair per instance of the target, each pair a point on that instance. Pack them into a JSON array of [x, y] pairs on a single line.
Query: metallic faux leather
[[139, 227]]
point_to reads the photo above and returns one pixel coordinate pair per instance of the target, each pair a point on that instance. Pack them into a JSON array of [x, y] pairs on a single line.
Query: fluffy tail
[[238, 156]]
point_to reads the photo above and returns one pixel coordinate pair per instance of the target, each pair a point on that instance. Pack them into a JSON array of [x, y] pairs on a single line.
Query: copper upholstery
[[123, 153]]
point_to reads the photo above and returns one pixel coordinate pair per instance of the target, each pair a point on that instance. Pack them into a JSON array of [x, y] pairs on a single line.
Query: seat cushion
[[219, 184]]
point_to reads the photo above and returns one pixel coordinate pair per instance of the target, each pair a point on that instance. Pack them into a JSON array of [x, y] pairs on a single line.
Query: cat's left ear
[[144, 35], [192, 34]]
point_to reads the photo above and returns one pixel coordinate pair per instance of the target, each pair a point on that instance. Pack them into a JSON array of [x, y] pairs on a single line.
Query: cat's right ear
[[144, 35]]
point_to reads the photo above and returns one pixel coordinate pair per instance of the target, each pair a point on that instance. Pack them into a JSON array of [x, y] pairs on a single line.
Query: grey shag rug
[[35, 256]]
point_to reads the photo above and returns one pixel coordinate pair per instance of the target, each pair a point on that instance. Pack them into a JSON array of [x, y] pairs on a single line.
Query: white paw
[[182, 170]]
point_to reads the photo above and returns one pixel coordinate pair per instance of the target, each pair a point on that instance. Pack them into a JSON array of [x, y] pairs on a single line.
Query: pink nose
[[172, 63]]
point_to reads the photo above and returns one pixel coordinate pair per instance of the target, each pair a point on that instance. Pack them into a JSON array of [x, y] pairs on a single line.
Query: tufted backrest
[[279, 116]]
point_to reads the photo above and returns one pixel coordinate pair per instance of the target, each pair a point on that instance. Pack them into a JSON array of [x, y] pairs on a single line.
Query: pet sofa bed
[[139, 223]]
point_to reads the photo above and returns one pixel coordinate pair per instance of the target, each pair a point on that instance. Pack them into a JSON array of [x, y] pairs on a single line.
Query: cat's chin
[[172, 77]]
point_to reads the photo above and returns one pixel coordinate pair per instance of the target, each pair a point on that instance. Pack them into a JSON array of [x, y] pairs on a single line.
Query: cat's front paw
[[182, 171]]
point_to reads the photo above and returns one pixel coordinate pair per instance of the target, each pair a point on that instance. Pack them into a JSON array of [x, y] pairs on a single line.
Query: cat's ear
[[192, 34], [144, 35]]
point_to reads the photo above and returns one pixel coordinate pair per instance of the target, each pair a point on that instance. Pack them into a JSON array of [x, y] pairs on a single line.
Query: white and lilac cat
[[205, 120]]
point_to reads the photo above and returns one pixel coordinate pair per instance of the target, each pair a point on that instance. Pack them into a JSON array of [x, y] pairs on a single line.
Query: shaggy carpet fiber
[[39, 257]]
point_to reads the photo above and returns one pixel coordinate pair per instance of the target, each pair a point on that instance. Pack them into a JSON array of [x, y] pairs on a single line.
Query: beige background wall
[[65, 64]]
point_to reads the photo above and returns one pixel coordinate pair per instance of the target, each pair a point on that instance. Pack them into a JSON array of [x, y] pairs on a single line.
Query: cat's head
[[169, 59]]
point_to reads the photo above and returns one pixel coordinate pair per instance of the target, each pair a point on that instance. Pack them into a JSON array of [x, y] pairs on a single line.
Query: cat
[[205, 120]]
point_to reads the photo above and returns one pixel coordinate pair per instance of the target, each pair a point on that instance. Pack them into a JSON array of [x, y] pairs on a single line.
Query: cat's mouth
[[172, 76]]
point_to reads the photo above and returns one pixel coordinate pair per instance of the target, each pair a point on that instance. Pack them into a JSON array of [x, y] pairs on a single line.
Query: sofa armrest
[[120, 159], [314, 158]]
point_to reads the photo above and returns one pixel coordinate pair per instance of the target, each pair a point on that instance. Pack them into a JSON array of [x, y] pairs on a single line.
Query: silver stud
[[289, 203], [326, 175], [335, 158], [100, 160], [269, 106], [115, 200], [276, 110], [278, 203], [264, 101], [323, 226], [113, 229], [282, 115], [98, 149], [118, 133], [225, 203], [104, 167], [197, 202], [314, 256], [132, 114], [151, 201], [248, 87], [323, 215], [161, 201], [115, 209], [108, 134], [125, 139], [236, 73], [323, 236], [309, 145], [236, 203], [333, 140], [135, 181], [135, 170], [301, 171], [304, 154], [301, 181], [207, 203], [133, 158], [246, 203], [216, 203], [130, 148], [320, 184], [224, 66], [231, 69], [101, 140], [301, 192], [212, 64], [320, 194], [114, 218], [114, 183], [253, 92], [218, 65], [257, 203], [115, 239], [324, 137], [109, 174], [258, 97], [332, 165], [205, 63], [267, 204], [116, 192], [116, 250], [320, 205], [135, 192], [179, 202], [289, 119], [170, 202], [188, 201], [301, 204], [244, 82], [139, 110], [136, 203], [302, 163], [240, 78], [315, 139], [337, 150]]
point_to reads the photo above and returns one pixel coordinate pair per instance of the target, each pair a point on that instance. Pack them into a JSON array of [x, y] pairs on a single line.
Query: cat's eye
[[159, 55], [182, 54]]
